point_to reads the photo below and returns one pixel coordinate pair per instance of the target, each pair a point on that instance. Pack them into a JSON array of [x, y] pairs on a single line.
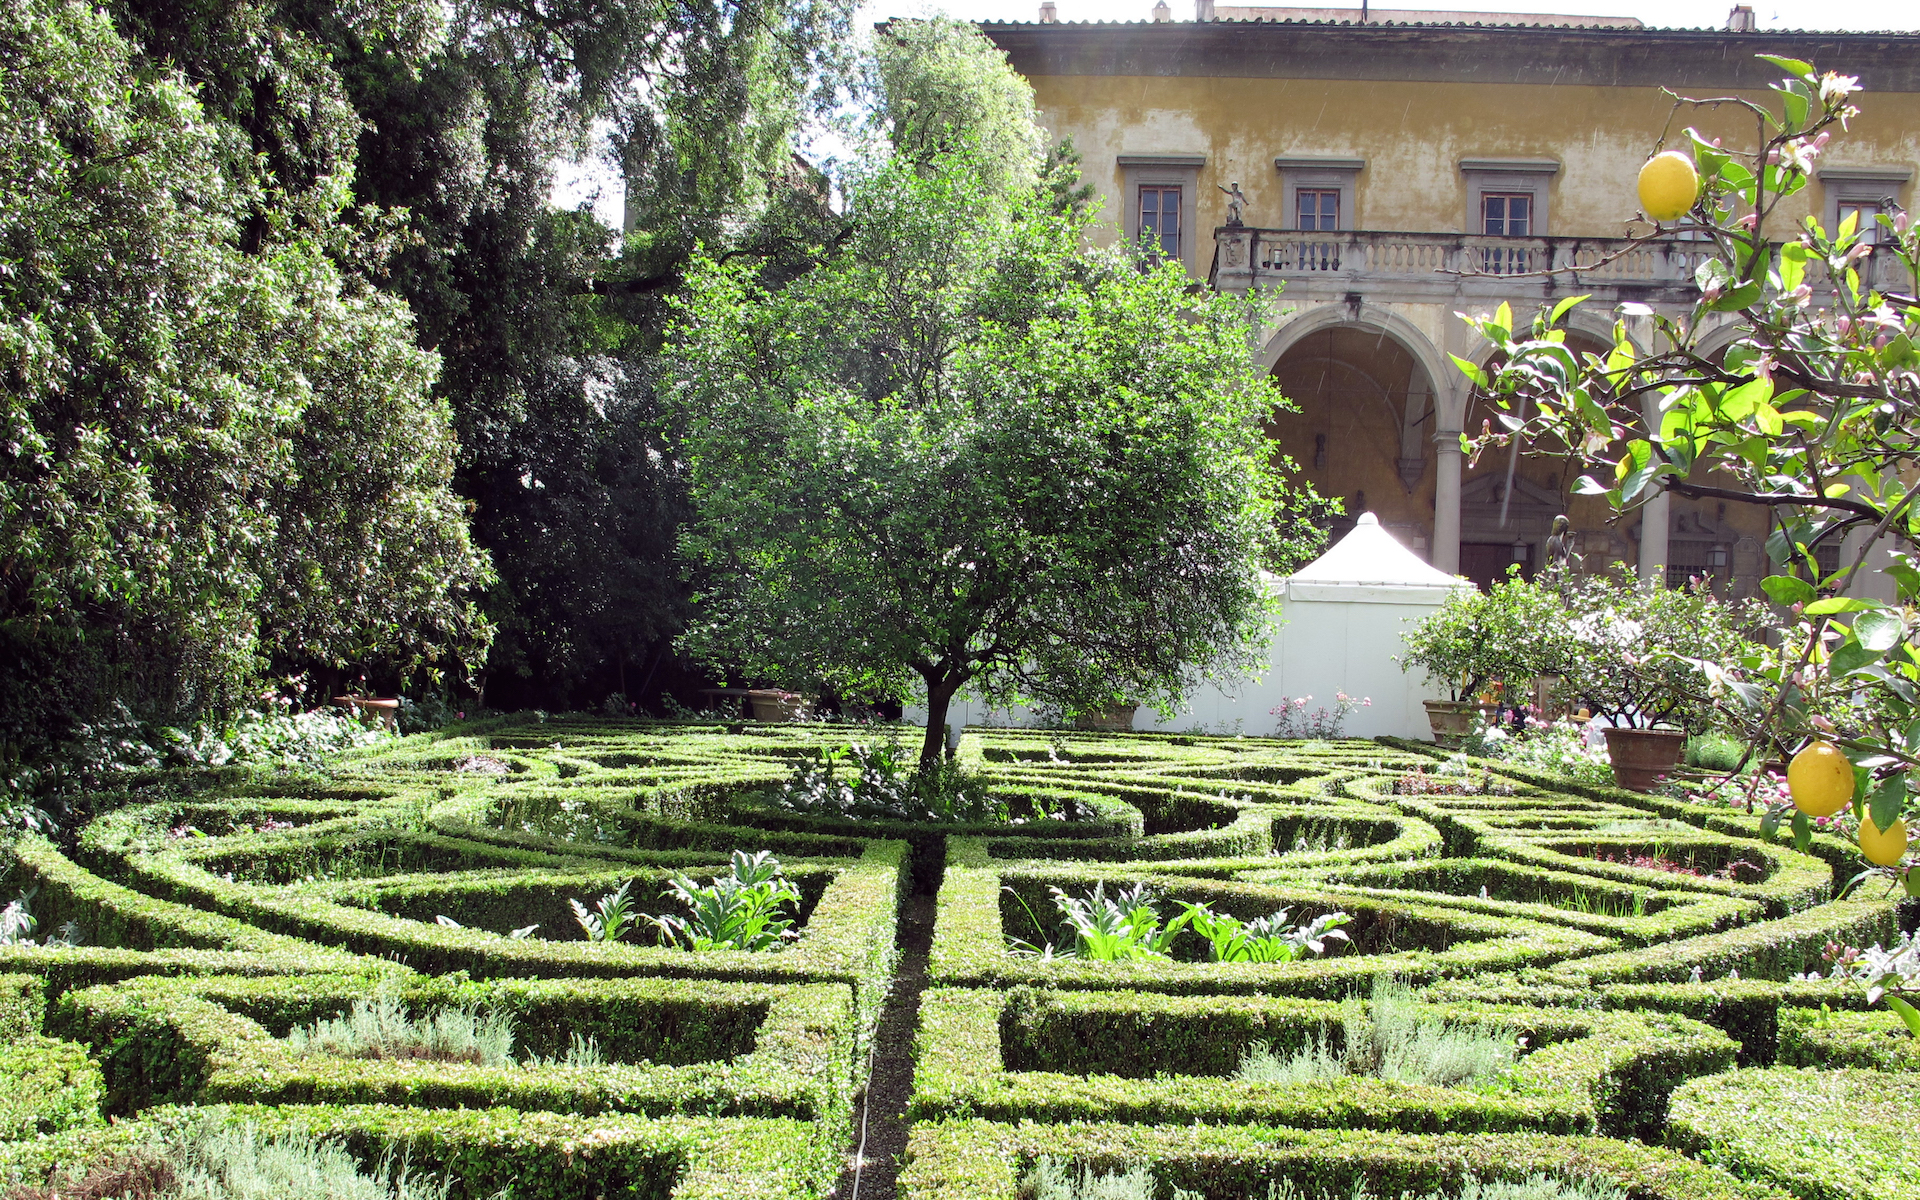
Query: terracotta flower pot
[[1114, 718], [1643, 757], [1453, 721], [770, 705], [387, 712]]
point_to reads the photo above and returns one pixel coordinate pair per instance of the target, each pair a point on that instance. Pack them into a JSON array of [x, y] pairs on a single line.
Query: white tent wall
[[1343, 618]]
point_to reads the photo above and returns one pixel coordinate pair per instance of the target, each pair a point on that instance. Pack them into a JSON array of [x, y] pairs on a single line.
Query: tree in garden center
[[1813, 411], [219, 448], [967, 452]]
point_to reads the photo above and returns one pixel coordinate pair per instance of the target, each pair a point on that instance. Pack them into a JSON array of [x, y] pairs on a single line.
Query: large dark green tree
[[220, 448], [445, 122]]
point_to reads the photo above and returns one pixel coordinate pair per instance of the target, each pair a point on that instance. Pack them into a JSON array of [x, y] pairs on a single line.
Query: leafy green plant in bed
[[1391, 1039], [381, 1027], [1128, 925], [883, 781], [610, 916], [1267, 939], [18, 925], [741, 911], [1891, 975]]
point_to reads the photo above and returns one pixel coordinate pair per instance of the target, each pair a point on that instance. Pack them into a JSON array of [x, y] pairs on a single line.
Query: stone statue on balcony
[[1559, 548], [1236, 200]]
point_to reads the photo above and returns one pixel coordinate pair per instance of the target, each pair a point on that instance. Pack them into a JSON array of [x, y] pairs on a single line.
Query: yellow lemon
[[1668, 186], [1820, 779], [1882, 849]]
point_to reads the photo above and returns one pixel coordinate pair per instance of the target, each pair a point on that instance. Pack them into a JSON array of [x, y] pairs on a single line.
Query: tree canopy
[[219, 447], [966, 452]]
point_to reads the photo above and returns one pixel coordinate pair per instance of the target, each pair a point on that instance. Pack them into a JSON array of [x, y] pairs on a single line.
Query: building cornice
[[1683, 59]]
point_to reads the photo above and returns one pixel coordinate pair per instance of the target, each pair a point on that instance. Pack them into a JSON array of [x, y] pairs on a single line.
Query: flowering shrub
[[1291, 719], [1557, 746]]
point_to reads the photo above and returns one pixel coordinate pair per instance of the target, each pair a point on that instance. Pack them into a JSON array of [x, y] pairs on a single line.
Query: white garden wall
[[1342, 618]]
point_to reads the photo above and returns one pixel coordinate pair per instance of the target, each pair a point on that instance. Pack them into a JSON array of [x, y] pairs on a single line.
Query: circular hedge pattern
[[1623, 945]]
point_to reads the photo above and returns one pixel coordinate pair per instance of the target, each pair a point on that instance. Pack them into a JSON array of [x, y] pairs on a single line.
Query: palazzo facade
[[1392, 175]]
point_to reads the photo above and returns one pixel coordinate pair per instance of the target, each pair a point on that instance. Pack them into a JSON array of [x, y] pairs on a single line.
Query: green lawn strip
[[979, 1160], [1152, 1058], [1818, 1134]]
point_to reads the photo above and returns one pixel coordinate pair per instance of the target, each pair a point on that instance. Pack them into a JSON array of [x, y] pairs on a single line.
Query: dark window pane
[[1507, 215], [1160, 218], [1318, 209]]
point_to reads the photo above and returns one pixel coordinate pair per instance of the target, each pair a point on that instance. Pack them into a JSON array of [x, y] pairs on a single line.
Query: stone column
[[1446, 501], [1654, 517], [1449, 418], [1653, 539]]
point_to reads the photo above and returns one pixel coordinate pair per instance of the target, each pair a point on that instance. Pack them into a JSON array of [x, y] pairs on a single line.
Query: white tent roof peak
[[1372, 559]]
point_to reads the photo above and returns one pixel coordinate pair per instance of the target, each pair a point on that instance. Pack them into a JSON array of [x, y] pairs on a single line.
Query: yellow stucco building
[[1396, 172]]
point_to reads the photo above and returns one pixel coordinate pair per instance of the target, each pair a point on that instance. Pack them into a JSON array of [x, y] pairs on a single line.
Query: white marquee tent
[[1342, 617]]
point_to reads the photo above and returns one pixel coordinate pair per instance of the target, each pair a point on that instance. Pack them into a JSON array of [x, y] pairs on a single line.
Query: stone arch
[[1368, 399], [1328, 316]]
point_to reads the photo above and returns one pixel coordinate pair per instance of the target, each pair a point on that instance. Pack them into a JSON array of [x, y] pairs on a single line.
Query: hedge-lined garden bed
[[1625, 963]]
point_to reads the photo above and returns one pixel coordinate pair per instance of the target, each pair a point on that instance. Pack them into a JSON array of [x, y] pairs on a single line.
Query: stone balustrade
[[1381, 265]]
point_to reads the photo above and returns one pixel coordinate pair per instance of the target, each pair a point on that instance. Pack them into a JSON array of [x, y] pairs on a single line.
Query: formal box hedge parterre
[[223, 908], [1150, 1058]]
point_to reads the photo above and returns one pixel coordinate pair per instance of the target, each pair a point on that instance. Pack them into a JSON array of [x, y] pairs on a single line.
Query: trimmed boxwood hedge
[[980, 1160], [46, 1086], [1879, 1040], [672, 1045], [1150, 1058], [1416, 940], [499, 1154], [849, 933], [111, 915], [1817, 1134], [1775, 950]]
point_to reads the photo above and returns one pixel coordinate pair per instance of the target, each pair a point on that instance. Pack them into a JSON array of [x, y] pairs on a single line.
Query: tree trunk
[[933, 746]]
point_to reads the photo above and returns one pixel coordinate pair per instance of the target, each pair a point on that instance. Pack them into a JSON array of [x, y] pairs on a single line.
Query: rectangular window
[[1507, 214], [1319, 208], [1866, 214], [1160, 220]]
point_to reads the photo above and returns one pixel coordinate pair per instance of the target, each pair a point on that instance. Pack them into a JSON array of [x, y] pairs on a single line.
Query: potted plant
[[772, 704], [1635, 666], [1107, 718], [1476, 642]]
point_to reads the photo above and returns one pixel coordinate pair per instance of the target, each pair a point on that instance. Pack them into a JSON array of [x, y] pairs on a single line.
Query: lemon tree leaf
[[1788, 589], [1889, 801]]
